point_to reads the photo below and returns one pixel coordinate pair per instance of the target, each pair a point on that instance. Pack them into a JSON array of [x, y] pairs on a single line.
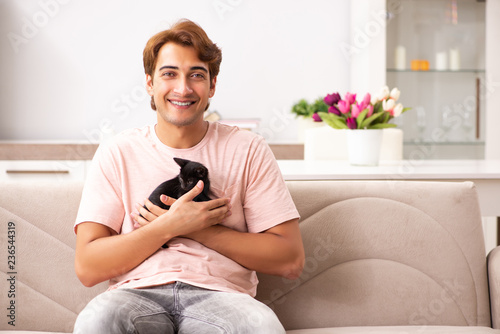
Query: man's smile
[[181, 103]]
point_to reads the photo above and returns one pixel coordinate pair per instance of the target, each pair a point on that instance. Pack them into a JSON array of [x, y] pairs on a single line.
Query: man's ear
[[149, 84], [212, 86]]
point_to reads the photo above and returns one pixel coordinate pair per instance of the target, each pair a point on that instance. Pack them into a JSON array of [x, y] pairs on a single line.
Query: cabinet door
[[436, 57], [42, 170]]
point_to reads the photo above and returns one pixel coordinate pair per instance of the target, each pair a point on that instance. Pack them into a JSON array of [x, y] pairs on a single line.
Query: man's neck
[[181, 137]]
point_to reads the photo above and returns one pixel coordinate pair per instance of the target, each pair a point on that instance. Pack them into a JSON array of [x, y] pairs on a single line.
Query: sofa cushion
[[385, 253], [398, 330], [48, 295], [29, 332]]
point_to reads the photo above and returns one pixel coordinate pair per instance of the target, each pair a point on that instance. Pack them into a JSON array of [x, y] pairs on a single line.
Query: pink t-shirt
[[241, 166]]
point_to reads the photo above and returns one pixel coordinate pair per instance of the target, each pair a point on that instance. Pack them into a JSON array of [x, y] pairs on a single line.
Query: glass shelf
[[447, 143], [447, 118], [393, 70]]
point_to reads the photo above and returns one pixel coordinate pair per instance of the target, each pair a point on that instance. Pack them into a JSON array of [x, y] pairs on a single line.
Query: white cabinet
[[43, 170], [436, 57]]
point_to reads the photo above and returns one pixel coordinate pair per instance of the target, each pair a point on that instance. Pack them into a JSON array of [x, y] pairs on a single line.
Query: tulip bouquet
[[373, 112]]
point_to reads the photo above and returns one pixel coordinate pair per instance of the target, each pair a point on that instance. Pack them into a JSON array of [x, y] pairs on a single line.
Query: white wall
[[72, 70], [368, 46]]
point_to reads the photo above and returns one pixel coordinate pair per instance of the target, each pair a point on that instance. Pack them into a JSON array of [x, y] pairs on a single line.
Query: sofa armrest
[[494, 285]]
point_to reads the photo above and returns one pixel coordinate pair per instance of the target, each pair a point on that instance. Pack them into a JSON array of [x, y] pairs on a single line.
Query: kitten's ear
[[181, 162], [201, 172]]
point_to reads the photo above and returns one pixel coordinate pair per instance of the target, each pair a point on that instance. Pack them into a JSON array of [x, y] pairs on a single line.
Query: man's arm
[[277, 251], [101, 254]]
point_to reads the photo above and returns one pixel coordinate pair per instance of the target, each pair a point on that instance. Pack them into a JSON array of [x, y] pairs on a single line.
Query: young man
[[205, 281]]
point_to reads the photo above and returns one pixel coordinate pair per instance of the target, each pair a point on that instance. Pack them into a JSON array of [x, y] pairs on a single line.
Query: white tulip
[[398, 109], [395, 94], [384, 93], [388, 105]]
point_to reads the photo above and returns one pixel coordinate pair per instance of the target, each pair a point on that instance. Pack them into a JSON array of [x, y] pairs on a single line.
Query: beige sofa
[[381, 257]]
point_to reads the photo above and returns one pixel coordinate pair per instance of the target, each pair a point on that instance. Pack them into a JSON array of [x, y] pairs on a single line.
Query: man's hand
[[194, 215], [149, 212]]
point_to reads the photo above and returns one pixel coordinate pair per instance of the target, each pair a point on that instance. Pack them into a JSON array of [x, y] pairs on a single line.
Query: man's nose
[[183, 87]]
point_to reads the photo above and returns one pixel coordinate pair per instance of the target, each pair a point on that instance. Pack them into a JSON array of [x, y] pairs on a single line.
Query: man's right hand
[[186, 215]]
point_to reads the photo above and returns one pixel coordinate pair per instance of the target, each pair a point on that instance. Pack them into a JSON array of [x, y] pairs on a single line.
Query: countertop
[[404, 169]]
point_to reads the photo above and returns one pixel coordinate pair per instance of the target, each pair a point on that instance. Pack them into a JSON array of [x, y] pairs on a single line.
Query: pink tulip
[[351, 123], [316, 117], [370, 111], [351, 98], [344, 106], [366, 101], [334, 110], [355, 110], [331, 99]]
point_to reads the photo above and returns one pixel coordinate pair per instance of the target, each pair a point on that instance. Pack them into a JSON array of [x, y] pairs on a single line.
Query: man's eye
[[199, 75], [167, 74]]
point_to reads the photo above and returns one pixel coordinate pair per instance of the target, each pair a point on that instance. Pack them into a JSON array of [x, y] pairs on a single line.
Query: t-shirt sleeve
[[267, 201], [102, 196]]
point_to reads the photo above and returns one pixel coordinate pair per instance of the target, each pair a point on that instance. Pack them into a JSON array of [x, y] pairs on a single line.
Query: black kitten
[[191, 172]]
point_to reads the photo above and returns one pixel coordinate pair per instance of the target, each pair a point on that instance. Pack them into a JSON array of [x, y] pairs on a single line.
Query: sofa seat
[[397, 330], [30, 332], [361, 330]]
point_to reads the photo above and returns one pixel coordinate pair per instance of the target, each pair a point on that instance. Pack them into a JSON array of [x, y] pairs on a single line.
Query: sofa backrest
[[385, 253], [46, 294]]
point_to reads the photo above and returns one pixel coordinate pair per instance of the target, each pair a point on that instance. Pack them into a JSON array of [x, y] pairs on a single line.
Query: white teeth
[[183, 104]]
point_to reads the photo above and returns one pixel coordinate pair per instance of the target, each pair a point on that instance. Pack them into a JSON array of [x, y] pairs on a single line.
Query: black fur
[[191, 172]]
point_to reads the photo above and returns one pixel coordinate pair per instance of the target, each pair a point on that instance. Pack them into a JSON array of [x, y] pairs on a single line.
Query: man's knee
[[103, 313], [252, 316], [121, 311], [264, 319]]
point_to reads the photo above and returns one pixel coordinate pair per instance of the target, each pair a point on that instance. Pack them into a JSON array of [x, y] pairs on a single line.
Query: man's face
[[180, 86]]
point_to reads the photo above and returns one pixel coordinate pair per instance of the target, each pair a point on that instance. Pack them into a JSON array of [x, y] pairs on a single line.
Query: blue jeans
[[175, 308]]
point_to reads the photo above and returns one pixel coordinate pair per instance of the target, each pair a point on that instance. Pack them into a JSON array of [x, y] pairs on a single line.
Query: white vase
[[306, 123], [363, 146]]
